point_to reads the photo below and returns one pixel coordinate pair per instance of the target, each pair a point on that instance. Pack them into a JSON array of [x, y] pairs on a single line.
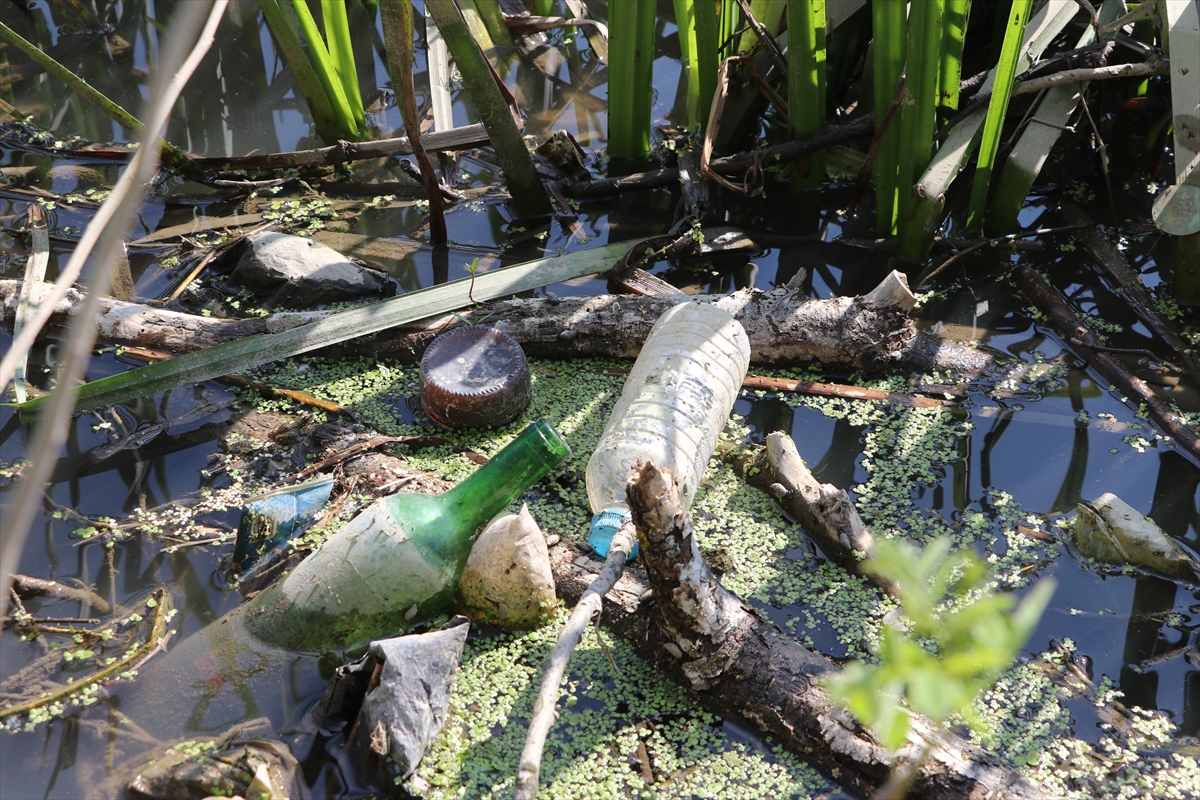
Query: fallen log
[[746, 668], [784, 326]]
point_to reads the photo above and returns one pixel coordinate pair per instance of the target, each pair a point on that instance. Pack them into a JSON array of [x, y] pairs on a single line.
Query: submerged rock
[[245, 761], [1111, 531], [508, 580], [299, 272], [405, 712]]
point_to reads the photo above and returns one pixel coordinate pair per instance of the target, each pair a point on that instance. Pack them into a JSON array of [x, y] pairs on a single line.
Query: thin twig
[[104, 237], [764, 36], [996, 242], [864, 173], [1102, 150], [589, 606]]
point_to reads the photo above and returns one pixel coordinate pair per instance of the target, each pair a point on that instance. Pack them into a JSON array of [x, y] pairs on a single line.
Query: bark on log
[[824, 510], [744, 667], [785, 328]]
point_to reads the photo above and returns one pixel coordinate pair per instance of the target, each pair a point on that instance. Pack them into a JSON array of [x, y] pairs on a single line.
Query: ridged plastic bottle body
[[675, 403]]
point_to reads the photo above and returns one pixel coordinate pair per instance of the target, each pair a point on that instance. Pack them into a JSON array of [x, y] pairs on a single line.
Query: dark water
[[1134, 629]]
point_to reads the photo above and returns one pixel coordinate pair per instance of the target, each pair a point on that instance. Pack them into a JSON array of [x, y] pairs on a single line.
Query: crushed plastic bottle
[[675, 403]]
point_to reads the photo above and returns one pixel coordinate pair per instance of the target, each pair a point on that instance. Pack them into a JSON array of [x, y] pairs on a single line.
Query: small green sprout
[[959, 637]]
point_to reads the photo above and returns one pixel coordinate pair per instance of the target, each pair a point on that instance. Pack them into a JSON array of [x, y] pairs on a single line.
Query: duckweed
[[630, 733]]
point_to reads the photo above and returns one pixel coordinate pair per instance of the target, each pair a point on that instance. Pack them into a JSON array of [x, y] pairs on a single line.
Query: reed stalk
[[689, 51], [630, 79], [288, 41], [954, 31], [1006, 70], [397, 20], [889, 26], [327, 73], [341, 53], [806, 84], [704, 16], [918, 114], [479, 80]]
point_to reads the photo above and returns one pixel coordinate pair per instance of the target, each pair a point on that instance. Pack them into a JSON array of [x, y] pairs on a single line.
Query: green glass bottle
[[399, 561]]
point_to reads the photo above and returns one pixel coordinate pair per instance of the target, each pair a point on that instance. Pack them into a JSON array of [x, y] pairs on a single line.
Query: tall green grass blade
[[918, 230], [252, 351], [630, 79], [954, 31], [1046, 125], [890, 32], [729, 19], [704, 15], [543, 8], [689, 50], [526, 188], [491, 18], [292, 51], [341, 53], [326, 72], [918, 114], [1006, 70], [806, 83]]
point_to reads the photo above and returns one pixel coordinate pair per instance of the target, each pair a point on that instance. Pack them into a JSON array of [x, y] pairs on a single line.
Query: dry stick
[[26, 586], [764, 36], [1102, 151], [997, 242], [462, 138], [1110, 368], [208, 258], [825, 511], [35, 273], [52, 432], [298, 395], [864, 174], [736, 662], [589, 606], [397, 19], [1156, 65], [129, 661]]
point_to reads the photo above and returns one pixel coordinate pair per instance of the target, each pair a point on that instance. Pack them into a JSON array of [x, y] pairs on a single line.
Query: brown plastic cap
[[474, 378]]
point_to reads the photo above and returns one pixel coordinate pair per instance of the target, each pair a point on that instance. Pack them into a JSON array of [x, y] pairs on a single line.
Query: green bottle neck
[[486, 493]]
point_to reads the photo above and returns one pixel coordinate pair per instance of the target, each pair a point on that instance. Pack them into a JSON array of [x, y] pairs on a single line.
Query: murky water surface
[[1135, 629]]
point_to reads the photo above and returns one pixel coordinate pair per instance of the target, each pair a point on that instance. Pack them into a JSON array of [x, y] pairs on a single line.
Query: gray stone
[[299, 272]]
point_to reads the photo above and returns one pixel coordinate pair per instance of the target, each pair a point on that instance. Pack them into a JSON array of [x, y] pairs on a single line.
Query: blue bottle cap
[[604, 527]]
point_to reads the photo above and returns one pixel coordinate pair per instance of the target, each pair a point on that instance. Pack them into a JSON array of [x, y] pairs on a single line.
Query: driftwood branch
[[825, 511], [784, 326], [746, 668], [1110, 368]]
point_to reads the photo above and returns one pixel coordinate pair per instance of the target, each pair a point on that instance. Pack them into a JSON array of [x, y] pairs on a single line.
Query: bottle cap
[[474, 377], [604, 527]]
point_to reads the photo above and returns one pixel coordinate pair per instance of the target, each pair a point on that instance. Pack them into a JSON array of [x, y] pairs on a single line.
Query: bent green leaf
[[252, 351]]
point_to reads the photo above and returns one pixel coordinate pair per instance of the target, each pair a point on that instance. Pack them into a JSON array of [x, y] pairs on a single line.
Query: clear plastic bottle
[[675, 403]]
